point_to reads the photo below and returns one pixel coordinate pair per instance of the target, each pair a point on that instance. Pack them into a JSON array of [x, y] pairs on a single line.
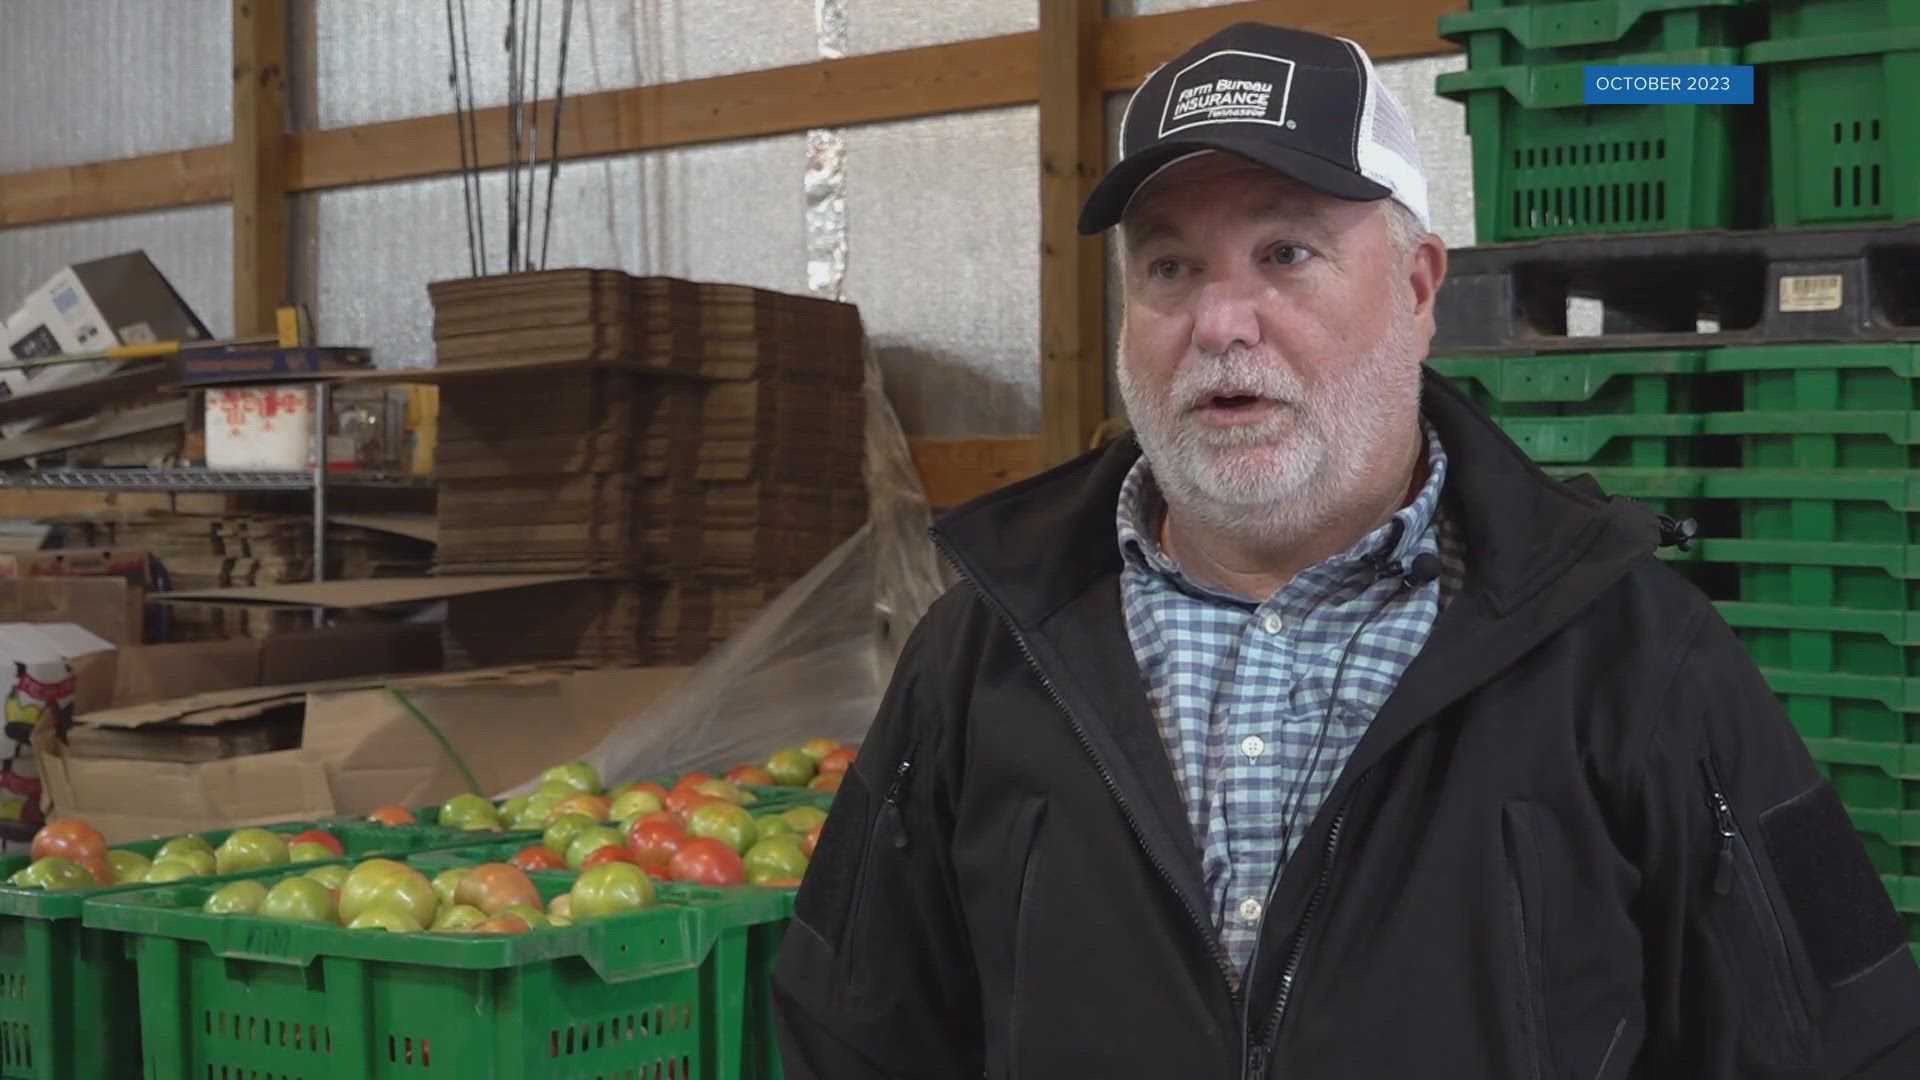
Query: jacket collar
[[1037, 545]]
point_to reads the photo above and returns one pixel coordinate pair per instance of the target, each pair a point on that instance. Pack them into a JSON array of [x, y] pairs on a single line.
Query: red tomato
[[503, 924], [813, 839], [658, 873], [750, 774], [829, 783], [494, 887], [692, 779], [706, 861], [538, 857], [655, 788], [610, 853], [97, 866], [836, 763], [682, 800], [323, 838], [668, 816], [393, 815], [68, 838], [653, 842]]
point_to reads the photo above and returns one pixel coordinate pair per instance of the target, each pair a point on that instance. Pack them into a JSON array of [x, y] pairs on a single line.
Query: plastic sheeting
[[818, 658]]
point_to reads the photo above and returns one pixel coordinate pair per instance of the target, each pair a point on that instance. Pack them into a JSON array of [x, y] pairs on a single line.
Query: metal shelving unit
[[186, 480], [180, 481]]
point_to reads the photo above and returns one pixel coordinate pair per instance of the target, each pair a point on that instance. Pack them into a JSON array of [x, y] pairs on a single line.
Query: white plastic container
[[260, 427]]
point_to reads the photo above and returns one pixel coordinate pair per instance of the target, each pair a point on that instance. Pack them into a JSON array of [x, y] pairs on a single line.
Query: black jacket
[[1580, 840]]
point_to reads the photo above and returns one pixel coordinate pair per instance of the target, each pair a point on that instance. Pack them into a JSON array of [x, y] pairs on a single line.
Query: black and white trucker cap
[[1304, 105]]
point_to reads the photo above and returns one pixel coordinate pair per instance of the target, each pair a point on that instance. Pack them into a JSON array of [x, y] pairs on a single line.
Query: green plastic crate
[[1890, 858], [1499, 34], [1788, 641], [1843, 145], [1860, 506], [1545, 164], [67, 1004], [661, 992], [1635, 382]]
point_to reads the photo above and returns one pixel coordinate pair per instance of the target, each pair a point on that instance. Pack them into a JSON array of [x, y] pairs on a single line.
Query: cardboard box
[[119, 300], [111, 608], [361, 747], [130, 563]]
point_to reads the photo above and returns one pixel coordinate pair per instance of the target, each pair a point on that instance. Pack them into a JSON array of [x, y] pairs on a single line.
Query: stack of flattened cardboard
[[225, 551], [695, 447]]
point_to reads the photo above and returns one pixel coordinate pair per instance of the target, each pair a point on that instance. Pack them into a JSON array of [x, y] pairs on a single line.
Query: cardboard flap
[[47, 643], [364, 593], [424, 527], [109, 607], [161, 673]]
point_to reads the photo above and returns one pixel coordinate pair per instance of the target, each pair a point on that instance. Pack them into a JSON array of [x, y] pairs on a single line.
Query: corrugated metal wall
[[941, 222]]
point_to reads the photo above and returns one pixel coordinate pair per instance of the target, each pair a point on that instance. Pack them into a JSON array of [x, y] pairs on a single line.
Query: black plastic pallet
[[1858, 283]]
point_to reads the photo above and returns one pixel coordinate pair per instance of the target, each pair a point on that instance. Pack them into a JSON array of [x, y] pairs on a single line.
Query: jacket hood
[[1035, 545]]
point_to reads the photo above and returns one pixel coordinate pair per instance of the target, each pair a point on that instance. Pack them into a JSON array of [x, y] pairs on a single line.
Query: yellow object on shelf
[[423, 426]]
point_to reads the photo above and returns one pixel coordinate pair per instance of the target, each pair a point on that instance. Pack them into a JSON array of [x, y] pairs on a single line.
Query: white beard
[[1277, 482]]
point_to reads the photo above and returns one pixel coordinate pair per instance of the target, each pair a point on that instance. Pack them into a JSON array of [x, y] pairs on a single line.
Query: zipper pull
[[896, 795], [1723, 863]]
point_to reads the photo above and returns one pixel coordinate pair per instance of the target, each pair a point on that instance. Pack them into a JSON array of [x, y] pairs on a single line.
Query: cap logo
[[1229, 87]]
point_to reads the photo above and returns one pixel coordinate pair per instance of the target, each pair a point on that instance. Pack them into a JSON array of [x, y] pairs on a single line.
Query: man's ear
[[1426, 270]]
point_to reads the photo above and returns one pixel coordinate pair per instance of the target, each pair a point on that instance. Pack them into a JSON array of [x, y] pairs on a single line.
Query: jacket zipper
[[1256, 1060], [1207, 934], [897, 794], [1733, 844], [1527, 1015]]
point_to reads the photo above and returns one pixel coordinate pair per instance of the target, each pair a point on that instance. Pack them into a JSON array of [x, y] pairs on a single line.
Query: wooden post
[[1073, 348], [260, 252]]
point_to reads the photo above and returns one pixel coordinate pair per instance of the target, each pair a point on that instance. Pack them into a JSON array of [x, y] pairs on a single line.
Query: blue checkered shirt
[[1240, 690]]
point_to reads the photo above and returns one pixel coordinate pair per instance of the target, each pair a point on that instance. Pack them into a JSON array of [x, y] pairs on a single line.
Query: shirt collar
[[1141, 506]]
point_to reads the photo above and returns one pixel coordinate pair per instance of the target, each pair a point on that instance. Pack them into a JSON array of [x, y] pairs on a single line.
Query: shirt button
[[1253, 746], [1271, 624], [1249, 911]]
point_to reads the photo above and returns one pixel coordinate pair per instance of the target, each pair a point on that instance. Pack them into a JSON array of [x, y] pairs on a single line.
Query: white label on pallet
[[1811, 292]]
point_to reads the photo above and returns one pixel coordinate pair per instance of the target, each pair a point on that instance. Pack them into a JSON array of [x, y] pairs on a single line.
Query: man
[[1313, 731]]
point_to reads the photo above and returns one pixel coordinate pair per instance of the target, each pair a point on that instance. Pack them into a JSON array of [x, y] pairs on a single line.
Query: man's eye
[[1163, 269], [1290, 254]]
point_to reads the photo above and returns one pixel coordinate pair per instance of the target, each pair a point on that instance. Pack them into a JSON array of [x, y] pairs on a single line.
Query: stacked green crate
[[1547, 164], [1807, 482], [1843, 150]]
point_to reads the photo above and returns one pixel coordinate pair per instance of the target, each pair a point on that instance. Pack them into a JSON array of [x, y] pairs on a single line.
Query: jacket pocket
[[1743, 915], [862, 841], [1526, 927], [1025, 838]]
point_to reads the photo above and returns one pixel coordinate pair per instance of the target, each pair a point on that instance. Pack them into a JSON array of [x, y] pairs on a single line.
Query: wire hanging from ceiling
[[524, 42], [559, 104]]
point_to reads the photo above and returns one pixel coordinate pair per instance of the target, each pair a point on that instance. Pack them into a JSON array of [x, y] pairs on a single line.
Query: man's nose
[[1226, 311]]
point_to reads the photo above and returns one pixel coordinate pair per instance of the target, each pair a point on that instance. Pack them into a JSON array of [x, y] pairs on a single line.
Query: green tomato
[[610, 889], [564, 829], [333, 875], [632, 804], [299, 899], [791, 768], [127, 867], [388, 917], [587, 841], [532, 916], [774, 825], [386, 883], [776, 859], [305, 852], [447, 881], [510, 809], [250, 849], [191, 850], [455, 918], [165, 870], [236, 898], [578, 775], [55, 874], [470, 812], [729, 824], [804, 818]]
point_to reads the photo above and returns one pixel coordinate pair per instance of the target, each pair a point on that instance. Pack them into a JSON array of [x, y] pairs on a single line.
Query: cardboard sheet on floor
[[360, 748]]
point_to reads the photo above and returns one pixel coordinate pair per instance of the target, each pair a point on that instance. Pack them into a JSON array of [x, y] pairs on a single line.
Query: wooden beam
[[980, 74], [259, 164], [1073, 279], [955, 470]]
